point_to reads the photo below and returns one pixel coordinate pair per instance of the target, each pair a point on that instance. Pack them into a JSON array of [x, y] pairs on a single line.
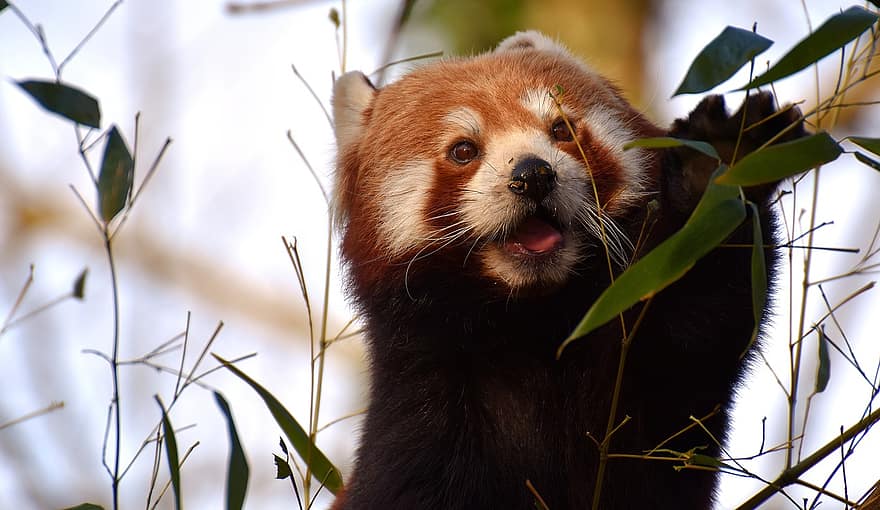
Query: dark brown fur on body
[[468, 401]]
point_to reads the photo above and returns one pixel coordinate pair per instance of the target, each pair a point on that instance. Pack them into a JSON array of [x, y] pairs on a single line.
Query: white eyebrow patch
[[464, 120], [539, 103]]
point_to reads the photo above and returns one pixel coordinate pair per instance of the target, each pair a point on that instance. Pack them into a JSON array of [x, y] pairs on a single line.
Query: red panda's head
[[470, 166]]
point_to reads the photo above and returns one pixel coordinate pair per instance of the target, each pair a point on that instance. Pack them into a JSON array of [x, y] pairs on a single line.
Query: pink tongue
[[535, 236]]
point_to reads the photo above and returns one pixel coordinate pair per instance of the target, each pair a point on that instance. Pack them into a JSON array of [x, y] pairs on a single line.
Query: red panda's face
[[509, 165]]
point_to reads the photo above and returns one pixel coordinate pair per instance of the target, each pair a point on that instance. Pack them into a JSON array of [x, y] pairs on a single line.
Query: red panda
[[474, 234]]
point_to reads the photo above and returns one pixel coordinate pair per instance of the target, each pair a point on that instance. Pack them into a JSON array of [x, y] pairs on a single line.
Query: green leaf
[[3, 5], [823, 370], [759, 274], [323, 470], [116, 177], [873, 163], [282, 468], [79, 285], [701, 459], [835, 33], [759, 267], [721, 59], [665, 142], [238, 471], [69, 102], [870, 144], [171, 453], [85, 506], [776, 162], [717, 214]]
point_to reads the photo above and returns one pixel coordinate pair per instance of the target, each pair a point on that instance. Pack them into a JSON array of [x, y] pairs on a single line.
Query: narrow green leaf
[[69, 102], [870, 144], [665, 142], [323, 470], [85, 506], [701, 459], [79, 285], [823, 370], [834, 34], [334, 17], [116, 177], [721, 59], [171, 453], [283, 445], [776, 162], [873, 163], [282, 468], [759, 274], [3, 4], [238, 471], [719, 212]]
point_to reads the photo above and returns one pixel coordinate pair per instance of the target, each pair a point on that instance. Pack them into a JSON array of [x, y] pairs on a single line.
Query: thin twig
[[54, 406], [790, 475], [87, 37], [18, 300]]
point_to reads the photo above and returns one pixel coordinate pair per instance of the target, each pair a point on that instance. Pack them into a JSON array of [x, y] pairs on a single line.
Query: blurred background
[[205, 237]]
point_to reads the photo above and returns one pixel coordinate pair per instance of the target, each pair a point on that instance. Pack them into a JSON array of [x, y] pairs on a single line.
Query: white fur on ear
[[352, 94], [531, 40]]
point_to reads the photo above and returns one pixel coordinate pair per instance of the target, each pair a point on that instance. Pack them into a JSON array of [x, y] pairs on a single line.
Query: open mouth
[[537, 235]]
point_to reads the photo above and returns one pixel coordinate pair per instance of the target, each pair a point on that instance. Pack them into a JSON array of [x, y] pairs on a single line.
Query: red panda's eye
[[560, 131], [463, 152]]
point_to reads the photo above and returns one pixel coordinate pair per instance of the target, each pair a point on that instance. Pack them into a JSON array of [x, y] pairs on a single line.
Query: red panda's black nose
[[533, 178]]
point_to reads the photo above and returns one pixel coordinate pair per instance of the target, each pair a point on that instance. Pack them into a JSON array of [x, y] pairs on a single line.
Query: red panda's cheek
[[398, 198], [602, 167]]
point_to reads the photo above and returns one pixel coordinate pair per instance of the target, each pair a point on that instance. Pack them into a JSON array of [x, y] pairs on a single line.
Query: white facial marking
[[463, 122], [543, 106], [606, 127], [404, 201]]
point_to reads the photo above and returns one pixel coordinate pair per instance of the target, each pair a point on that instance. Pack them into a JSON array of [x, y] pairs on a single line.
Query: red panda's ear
[[352, 95], [531, 40]]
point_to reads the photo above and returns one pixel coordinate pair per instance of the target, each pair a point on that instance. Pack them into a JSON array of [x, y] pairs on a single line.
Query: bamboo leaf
[[721, 59], [79, 285], [779, 161], [282, 468], [823, 370], [4, 4], [85, 506], [665, 142], [238, 470], [69, 102], [171, 453], [873, 163], [870, 144], [334, 17], [321, 466], [701, 459], [759, 275], [116, 177], [717, 214], [834, 34], [759, 267]]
